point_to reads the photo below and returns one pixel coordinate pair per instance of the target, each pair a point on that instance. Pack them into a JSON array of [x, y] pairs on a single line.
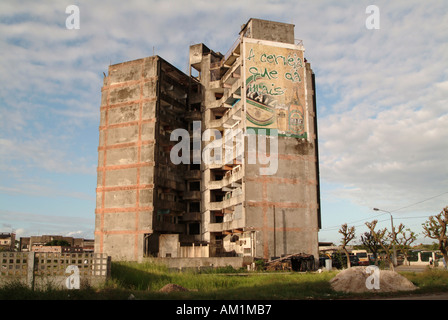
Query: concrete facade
[[77, 244], [139, 190], [149, 206], [7, 241]]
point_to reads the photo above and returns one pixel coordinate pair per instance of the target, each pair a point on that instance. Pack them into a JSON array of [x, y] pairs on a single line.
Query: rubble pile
[[294, 262], [170, 287], [358, 280]]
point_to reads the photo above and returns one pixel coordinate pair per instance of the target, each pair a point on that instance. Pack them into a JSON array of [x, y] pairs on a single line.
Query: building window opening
[[195, 186], [195, 206], [194, 229], [195, 166]]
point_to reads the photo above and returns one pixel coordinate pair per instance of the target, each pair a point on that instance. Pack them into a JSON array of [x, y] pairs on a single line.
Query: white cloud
[[46, 153], [30, 224], [382, 94], [385, 140]]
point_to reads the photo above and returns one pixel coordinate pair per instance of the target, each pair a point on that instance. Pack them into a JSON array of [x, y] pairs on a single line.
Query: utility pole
[[275, 242], [393, 233]]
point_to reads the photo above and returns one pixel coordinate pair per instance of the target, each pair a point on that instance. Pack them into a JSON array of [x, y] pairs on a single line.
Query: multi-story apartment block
[[7, 241], [220, 162], [78, 244]]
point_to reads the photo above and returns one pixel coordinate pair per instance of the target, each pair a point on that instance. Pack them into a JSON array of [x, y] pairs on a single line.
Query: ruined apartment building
[[259, 203]]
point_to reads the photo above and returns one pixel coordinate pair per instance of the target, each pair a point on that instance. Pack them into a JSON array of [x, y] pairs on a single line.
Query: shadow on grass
[[16, 290], [128, 277]]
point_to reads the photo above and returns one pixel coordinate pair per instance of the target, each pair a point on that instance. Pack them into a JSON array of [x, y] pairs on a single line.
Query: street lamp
[[393, 232]]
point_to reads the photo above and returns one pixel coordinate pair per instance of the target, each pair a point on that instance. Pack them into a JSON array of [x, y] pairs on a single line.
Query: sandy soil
[[360, 279]]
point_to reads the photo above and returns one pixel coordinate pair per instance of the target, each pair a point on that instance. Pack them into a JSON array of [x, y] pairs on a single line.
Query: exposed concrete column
[[30, 270]]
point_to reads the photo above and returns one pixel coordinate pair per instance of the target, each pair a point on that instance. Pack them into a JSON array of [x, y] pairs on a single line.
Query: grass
[[429, 281], [145, 280]]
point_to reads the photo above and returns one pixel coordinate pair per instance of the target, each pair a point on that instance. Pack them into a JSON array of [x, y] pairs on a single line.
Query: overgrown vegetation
[[143, 281], [429, 281], [55, 242]]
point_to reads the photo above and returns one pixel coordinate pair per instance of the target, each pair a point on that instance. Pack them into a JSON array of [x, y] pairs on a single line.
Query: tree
[[385, 238], [393, 238], [55, 242], [435, 228], [348, 235], [404, 241], [370, 243]]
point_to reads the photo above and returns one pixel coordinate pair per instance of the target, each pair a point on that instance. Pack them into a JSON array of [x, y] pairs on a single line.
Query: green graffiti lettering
[[293, 76], [251, 54], [263, 56], [263, 89], [294, 61], [280, 57], [273, 74], [273, 58]]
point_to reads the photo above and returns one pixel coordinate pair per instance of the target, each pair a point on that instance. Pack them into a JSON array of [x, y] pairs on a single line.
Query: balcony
[[231, 177], [226, 203], [233, 96], [191, 216], [167, 181], [233, 53], [226, 226], [168, 227], [216, 86], [193, 116], [232, 75], [230, 97], [193, 175], [172, 206], [230, 118], [192, 195]]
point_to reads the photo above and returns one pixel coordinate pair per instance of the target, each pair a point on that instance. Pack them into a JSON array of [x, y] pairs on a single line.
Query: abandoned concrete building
[[151, 206]]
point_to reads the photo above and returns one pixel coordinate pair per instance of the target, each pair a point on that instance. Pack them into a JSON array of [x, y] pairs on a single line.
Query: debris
[[292, 262], [355, 280]]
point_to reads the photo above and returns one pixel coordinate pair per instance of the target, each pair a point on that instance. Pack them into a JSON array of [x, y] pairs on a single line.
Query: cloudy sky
[[382, 98]]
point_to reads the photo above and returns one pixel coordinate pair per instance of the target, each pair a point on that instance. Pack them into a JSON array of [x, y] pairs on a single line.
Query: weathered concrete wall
[[139, 190], [270, 30], [188, 263], [169, 245], [282, 208], [125, 183], [292, 192], [39, 270]]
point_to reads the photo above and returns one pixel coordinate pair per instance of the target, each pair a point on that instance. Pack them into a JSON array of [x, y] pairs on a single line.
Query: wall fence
[[40, 270]]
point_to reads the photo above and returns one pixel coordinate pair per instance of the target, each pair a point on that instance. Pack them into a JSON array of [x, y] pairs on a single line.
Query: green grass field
[[143, 281]]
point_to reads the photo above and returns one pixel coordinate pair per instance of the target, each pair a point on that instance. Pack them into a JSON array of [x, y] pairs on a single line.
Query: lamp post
[[393, 232]]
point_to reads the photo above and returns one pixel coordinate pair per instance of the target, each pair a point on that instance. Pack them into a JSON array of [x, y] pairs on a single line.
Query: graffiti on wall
[[275, 89]]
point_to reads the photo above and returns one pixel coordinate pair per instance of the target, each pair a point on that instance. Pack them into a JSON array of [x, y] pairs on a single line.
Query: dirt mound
[[358, 279], [172, 288]]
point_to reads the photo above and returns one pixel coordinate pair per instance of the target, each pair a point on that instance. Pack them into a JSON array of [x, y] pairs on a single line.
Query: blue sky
[[382, 100]]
